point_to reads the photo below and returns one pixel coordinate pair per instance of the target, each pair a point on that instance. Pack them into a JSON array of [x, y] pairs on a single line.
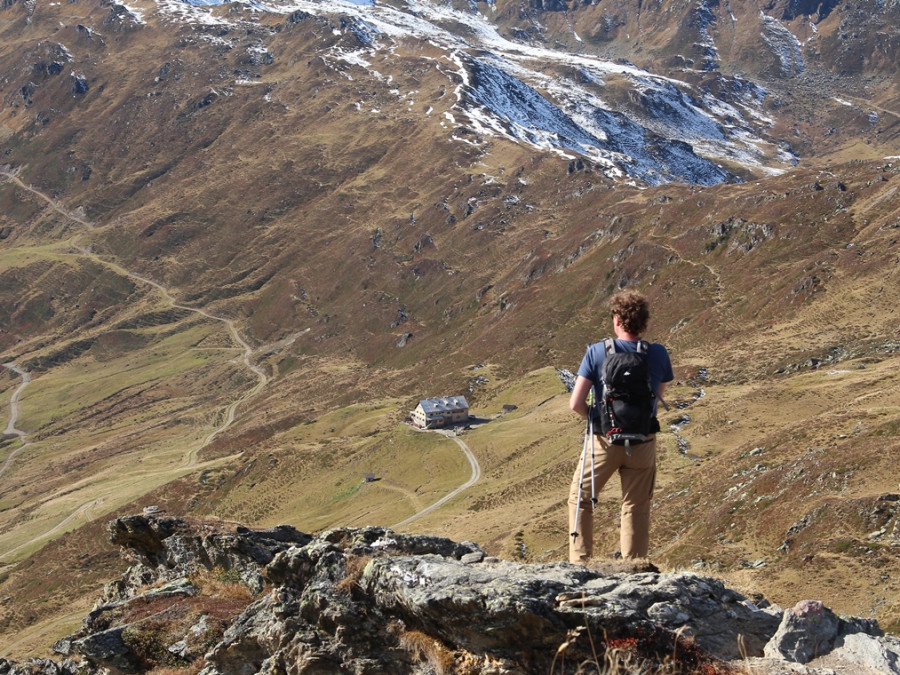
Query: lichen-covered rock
[[108, 648], [810, 630], [371, 600], [805, 632], [880, 654], [164, 549], [40, 667]]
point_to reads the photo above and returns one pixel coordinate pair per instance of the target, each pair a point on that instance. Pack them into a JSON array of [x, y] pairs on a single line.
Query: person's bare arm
[[660, 394], [578, 400]]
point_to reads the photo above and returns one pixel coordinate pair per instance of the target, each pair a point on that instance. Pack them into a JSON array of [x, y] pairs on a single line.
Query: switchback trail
[[476, 474], [80, 511], [262, 379], [13, 176], [11, 429], [230, 411]]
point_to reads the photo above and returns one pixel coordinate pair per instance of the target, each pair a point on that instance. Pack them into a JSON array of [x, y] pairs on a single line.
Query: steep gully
[[230, 411]]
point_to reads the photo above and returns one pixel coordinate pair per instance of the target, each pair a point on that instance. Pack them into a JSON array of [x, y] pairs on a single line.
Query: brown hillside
[[232, 276]]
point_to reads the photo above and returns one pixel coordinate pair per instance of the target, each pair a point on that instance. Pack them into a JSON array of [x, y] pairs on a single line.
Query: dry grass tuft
[[746, 311], [427, 649], [192, 669], [221, 583], [640, 652], [354, 567]]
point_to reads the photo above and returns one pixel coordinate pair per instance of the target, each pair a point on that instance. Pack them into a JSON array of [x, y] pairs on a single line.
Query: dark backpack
[[626, 398]]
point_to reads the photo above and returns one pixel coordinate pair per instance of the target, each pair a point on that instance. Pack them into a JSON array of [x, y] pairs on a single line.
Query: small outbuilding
[[437, 413]]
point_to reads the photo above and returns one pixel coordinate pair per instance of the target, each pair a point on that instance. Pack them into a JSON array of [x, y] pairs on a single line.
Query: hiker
[[634, 461]]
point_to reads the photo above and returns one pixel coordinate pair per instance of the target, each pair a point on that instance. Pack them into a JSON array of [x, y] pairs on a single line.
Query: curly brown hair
[[632, 310]]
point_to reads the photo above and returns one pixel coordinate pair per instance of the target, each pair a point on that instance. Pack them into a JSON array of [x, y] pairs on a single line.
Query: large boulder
[[370, 600]]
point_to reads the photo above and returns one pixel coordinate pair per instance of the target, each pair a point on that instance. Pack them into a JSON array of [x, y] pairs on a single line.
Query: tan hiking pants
[[637, 473]]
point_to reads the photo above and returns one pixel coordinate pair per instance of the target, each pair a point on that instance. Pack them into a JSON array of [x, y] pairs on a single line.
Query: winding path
[[476, 474], [11, 429], [720, 287], [13, 175], [231, 409], [8, 174]]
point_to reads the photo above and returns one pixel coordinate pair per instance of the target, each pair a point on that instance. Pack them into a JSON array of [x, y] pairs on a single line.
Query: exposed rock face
[[811, 629], [166, 549], [374, 601]]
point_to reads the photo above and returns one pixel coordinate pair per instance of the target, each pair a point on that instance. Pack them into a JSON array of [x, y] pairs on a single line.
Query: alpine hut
[[437, 413]]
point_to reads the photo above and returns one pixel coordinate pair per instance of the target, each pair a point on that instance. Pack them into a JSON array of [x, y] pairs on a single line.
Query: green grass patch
[[320, 482], [354, 420], [843, 545], [83, 383]]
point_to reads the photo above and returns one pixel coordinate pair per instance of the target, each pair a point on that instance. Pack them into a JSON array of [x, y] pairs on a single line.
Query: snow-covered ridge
[[678, 135]]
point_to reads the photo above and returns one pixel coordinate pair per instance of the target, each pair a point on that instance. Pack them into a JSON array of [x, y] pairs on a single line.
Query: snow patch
[[353, 58], [136, 14], [505, 93], [784, 44]]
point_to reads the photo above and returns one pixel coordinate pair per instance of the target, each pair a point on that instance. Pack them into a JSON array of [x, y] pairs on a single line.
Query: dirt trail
[[12, 175], [720, 286], [866, 104], [230, 411], [14, 401], [11, 429], [80, 511], [476, 475]]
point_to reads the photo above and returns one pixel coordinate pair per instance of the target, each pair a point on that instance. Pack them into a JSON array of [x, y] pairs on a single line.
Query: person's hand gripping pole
[[588, 441]]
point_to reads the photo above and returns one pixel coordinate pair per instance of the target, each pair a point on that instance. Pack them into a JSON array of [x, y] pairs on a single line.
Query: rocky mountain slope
[[370, 600], [237, 243]]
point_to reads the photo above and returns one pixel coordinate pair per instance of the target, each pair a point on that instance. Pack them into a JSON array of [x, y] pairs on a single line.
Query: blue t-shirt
[[657, 358]]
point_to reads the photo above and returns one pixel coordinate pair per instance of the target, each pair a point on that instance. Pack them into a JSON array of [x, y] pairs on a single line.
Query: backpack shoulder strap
[[643, 348], [610, 346]]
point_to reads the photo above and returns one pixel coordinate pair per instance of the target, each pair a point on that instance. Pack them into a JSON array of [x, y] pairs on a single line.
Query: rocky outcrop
[[164, 549], [372, 600]]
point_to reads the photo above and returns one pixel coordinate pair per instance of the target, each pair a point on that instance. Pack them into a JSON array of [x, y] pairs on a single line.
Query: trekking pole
[[584, 448], [590, 404], [593, 473]]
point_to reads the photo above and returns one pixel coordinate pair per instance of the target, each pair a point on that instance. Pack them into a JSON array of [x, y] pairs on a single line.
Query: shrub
[[648, 652], [148, 642]]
